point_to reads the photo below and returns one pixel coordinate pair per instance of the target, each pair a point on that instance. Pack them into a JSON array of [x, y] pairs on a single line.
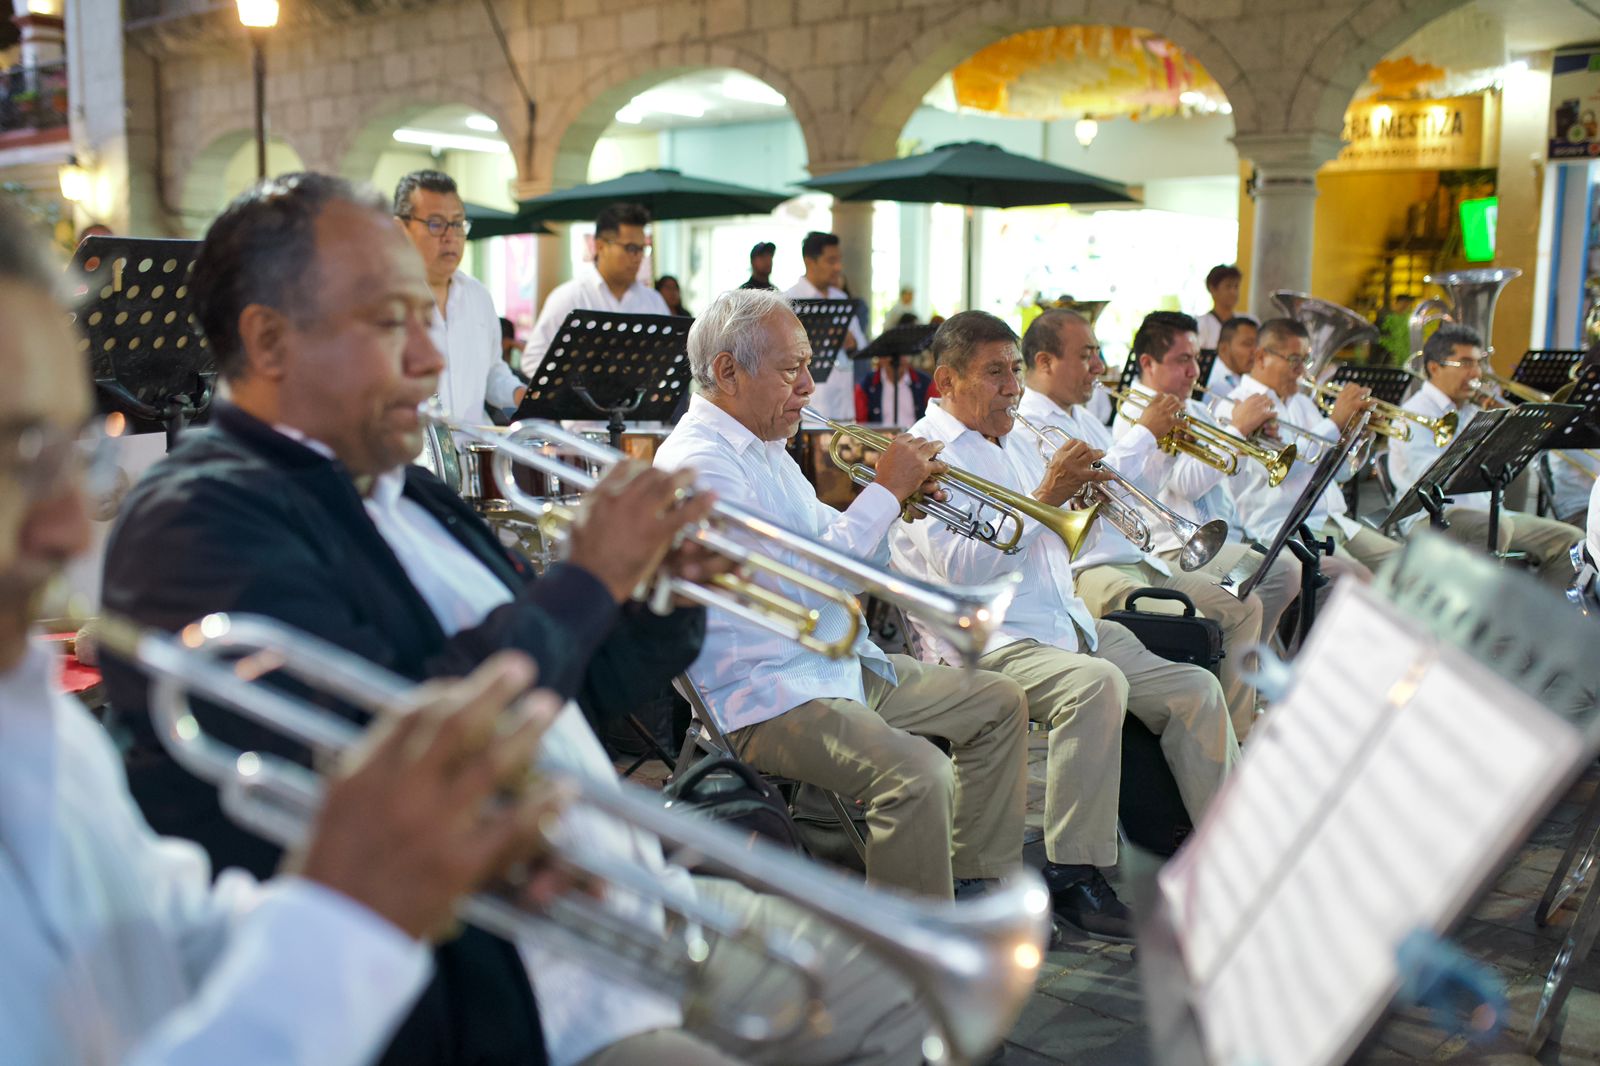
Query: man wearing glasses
[[1276, 372], [466, 327], [611, 284], [1453, 360]]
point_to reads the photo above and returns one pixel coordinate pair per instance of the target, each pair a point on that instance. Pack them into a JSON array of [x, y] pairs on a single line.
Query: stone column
[[853, 224], [1285, 211]]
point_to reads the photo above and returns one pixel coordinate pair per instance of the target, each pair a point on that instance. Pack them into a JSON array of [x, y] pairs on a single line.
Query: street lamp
[[259, 16]]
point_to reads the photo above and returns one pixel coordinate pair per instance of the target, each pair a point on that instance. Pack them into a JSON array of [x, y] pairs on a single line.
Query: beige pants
[[873, 1014], [1081, 699], [1103, 588], [1544, 539], [931, 817], [1357, 556]]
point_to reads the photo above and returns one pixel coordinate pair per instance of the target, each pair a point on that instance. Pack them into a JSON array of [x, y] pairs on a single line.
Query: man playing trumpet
[[1081, 675]]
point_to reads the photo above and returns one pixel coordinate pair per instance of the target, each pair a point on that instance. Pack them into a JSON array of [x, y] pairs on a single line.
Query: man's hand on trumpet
[[1352, 400], [1252, 415], [1161, 414], [411, 823], [627, 526], [1069, 470], [911, 466]]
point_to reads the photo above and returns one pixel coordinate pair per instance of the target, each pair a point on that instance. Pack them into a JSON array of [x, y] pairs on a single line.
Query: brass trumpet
[[1214, 446], [1390, 420], [1010, 507], [1315, 441], [973, 963]]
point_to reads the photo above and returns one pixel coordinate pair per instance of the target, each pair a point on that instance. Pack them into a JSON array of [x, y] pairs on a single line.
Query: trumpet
[[1315, 441], [1199, 544], [1216, 447], [1507, 387], [1003, 534], [965, 615], [1390, 420], [974, 963]]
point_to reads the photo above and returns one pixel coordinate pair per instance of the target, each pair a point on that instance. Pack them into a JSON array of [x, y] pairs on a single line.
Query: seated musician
[[1081, 675], [1452, 359], [1236, 350], [1063, 361], [295, 502], [1165, 348], [1275, 373], [854, 725], [118, 947]]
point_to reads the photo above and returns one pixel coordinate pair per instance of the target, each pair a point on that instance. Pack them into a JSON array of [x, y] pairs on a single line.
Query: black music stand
[[898, 342], [1207, 358], [827, 323], [1583, 431], [1545, 369], [148, 358], [1484, 458], [614, 365], [1388, 383]]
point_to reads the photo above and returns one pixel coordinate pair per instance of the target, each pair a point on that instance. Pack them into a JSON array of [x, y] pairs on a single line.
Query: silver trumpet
[[974, 963], [965, 615], [1200, 544]]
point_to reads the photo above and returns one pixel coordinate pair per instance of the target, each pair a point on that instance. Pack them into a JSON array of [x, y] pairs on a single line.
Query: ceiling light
[[1086, 131], [482, 123], [258, 14], [1517, 66], [458, 142], [1192, 98], [751, 91], [666, 103], [74, 181]]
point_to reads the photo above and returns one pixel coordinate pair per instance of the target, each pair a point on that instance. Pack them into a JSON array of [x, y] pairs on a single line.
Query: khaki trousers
[[1081, 698], [1544, 539], [1104, 587], [1357, 556], [932, 818], [873, 1014]]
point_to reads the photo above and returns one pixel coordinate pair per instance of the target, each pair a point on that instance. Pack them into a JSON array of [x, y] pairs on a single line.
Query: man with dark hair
[[1060, 371], [1453, 360], [823, 280], [428, 207], [1236, 347], [1222, 282], [761, 266], [1080, 675], [1276, 370], [1165, 348], [610, 284]]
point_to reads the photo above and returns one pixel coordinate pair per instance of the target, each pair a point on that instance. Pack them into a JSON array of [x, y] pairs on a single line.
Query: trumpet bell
[[1444, 428], [1203, 545]]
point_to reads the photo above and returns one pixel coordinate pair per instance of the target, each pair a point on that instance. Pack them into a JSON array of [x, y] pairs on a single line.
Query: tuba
[[1471, 294], [1333, 328]]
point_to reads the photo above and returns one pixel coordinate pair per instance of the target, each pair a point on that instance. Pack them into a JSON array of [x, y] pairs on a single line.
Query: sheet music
[[1377, 797]]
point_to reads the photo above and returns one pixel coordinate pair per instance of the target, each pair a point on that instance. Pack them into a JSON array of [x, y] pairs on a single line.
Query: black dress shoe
[[1090, 906]]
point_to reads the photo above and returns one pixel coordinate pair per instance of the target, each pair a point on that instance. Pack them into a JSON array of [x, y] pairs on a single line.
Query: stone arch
[[202, 183], [564, 145], [370, 134], [881, 111]]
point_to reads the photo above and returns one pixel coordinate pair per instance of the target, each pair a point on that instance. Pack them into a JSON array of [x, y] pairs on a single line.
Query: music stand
[[1484, 457], [148, 358], [899, 341], [1388, 383], [827, 323], [1583, 431], [1545, 369], [1206, 359], [612, 364]]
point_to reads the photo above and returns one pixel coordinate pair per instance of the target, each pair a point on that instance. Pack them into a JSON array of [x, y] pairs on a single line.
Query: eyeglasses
[[44, 459], [631, 249], [1471, 364], [438, 227], [1297, 361]]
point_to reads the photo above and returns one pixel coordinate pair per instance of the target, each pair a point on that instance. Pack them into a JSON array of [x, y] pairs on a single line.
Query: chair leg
[[1573, 872], [1558, 981], [653, 748]]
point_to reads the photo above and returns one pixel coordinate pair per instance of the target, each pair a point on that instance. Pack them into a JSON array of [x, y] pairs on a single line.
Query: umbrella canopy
[[971, 173], [493, 222], [667, 193]]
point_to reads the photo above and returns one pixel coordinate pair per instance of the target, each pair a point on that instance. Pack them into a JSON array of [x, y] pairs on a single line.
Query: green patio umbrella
[[667, 193], [972, 174], [493, 222]]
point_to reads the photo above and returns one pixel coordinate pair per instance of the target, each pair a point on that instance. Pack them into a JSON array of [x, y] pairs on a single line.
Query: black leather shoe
[[1090, 906]]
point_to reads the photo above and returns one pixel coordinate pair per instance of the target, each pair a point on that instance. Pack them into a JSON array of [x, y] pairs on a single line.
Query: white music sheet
[[1376, 798]]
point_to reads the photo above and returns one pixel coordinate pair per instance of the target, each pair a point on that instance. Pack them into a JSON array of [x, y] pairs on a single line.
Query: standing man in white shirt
[[854, 725], [824, 260], [610, 283], [118, 947], [1236, 348], [1222, 283], [1275, 373], [1063, 360], [465, 326], [1080, 675], [1453, 359]]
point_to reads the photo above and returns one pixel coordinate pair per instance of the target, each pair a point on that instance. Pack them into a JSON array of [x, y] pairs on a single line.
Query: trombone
[[1199, 544], [974, 963], [967, 615], [1390, 420], [1215, 446], [1011, 506]]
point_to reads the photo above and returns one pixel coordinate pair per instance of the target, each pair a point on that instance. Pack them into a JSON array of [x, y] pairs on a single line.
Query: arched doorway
[[222, 170]]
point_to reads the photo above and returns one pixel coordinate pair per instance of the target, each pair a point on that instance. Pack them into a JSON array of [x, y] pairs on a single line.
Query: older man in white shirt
[[1080, 675], [610, 283], [824, 260], [465, 326], [855, 725], [1453, 360], [1275, 373], [1062, 359]]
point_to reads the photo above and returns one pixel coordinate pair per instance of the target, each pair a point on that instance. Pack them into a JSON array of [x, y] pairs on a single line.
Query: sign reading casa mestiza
[[1414, 135]]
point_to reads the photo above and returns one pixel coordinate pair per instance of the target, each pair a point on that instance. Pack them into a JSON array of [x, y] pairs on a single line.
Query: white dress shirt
[[1046, 608], [118, 949], [835, 397], [585, 292], [1263, 510], [1105, 545], [468, 333], [1593, 530], [1193, 489], [1221, 381], [899, 402], [1210, 329], [582, 1007], [750, 674], [1410, 459]]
